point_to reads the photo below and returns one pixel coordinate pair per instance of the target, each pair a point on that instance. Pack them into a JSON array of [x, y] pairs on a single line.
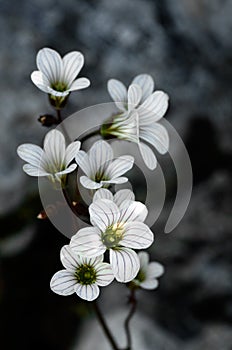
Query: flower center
[[59, 86], [112, 235], [100, 176], [141, 276], [85, 274]]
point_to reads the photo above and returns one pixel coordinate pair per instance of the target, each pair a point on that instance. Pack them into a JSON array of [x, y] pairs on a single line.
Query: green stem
[[104, 326], [133, 302]]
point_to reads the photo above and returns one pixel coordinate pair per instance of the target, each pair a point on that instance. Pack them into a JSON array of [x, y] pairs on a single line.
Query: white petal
[[103, 193], [63, 282], [96, 261], [118, 92], [119, 166], [40, 80], [132, 211], [50, 64], [87, 241], [156, 135], [144, 260], [54, 147], [148, 156], [153, 108], [134, 96], [118, 180], [149, 284], [78, 84], [72, 63], [146, 82], [104, 274], [69, 259], [154, 270], [87, 292], [82, 160], [71, 151], [124, 263], [88, 183], [123, 195], [99, 155], [137, 235], [103, 213], [32, 154], [34, 171], [57, 93], [68, 170]]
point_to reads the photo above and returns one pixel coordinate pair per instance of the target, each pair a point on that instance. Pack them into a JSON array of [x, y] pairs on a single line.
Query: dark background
[[186, 46]]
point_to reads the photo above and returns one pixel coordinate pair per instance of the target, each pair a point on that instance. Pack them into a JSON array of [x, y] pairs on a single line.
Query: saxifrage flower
[[140, 110], [100, 168], [82, 275], [52, 161], [119, 229]]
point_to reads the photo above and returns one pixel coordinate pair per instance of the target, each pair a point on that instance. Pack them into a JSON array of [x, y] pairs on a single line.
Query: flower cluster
[[106, 249]]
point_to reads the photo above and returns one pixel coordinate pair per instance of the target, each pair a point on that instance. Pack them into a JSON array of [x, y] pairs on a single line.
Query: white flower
[[52, 161], [56, 75], [117, 198], [119, 230], [82, 275], [140, 110], [99, 167], [148, 272]]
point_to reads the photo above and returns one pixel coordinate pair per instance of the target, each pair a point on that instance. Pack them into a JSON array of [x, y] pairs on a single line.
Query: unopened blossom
[[81, 275], [53, 160], [140, 110], [118, 197], [118, 229], [57, 76], [148, 272], [100, 167]]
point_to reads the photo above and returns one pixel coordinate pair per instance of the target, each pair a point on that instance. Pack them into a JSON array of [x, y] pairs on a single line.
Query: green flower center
[[112, 235], [59, 86], [86, 274], [141, 276], [100, 176]]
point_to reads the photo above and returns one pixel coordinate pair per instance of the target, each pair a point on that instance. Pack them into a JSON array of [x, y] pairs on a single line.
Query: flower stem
[[58, 113], [133, 302], [104, 326]]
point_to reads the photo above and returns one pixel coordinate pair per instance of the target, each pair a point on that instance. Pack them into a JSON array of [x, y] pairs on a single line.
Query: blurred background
[[186, 46]]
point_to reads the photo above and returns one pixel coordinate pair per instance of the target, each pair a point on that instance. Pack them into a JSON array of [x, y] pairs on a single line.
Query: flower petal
[[82, 160], [156, 135], [69, 259], [50, 64], [154, 270], [34, 171], [72, 63], [124, 263], [87, 292], [149, 284], [68, 170], [71, 151], [78, 84], [146, 82], [40, 80], [88, 183], [96, 261], [99, 155], [63, 283], [103, 213], [132, 211], [134, 96], [144, 260], [137, 235], [118, 92], [32, 154], [54, 147], [148, 156], [119, 166], [123, 195], [118, 180], [103, 193], [87, 241], [104, 274], [153, 108]]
